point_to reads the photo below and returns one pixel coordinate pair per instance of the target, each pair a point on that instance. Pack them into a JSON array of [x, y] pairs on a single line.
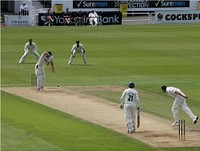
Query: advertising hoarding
[[105, 18], [164, 17], [17, 20]]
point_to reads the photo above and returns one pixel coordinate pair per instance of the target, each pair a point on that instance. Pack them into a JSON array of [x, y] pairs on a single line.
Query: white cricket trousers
[[26, 53], [182, 103], [74, 54], [93, 20], [39, 72], [129, 113]]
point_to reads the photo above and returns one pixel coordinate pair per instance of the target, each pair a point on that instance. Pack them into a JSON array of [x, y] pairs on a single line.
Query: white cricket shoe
[[175, 124], [195, 120], [40, 90], [131, 131]]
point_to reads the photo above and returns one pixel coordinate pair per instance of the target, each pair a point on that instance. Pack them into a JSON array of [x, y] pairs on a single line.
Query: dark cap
[[131, 84], [50, 53], [163, 87]]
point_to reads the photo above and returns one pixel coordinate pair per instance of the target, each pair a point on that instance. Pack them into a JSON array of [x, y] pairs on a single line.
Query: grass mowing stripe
[[62, 129], [15, 139]]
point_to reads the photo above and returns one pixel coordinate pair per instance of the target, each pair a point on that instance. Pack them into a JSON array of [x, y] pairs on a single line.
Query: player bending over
[[179, 100], [45, 59], [77, 48]]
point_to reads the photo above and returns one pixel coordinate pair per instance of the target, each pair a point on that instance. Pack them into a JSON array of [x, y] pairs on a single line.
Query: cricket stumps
[[181, 130], [33, 81]]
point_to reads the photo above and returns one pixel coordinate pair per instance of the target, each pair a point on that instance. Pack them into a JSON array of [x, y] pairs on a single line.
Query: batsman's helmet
[[131, 85]]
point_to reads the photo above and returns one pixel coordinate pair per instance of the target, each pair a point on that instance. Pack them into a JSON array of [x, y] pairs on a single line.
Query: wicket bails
[[33, 81], [181, 130]]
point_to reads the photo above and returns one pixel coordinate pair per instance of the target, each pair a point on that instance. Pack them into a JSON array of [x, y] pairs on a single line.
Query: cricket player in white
[[179, 100], [93, 18], [77, 48], [29, 48], [45, 59], [130, 96]]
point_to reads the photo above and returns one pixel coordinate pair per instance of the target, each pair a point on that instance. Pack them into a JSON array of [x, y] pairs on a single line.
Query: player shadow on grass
[[76, 65], [29, 63]]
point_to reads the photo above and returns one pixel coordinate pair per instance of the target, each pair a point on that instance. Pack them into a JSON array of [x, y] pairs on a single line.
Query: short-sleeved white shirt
[[30, 48], [44, 60], [171, 92], [130, 95], [93, 15], [78, 49]]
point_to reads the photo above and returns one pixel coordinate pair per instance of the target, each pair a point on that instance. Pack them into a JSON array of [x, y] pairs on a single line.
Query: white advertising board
[[165, 17], [17, 20]]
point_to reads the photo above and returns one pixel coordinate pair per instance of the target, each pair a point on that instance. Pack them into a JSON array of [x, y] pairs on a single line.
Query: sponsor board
[[93, 4], [81, 4], [105, 18], [17, 20], [162, 17]]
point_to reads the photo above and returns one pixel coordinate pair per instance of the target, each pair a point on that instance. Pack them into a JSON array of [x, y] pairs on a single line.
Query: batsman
[[45, 59], [130, 95]]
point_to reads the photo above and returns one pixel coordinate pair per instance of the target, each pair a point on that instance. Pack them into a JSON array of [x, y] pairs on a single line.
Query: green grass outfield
[[150, 55]]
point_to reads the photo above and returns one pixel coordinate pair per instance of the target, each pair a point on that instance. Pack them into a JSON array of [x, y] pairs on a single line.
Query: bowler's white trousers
[[179, 101]]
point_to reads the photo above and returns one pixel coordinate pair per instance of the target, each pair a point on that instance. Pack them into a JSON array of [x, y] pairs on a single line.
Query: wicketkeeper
[[131, 96], [77, 48], [45, 59]]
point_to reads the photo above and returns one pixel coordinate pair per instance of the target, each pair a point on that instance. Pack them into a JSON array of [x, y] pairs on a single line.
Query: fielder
[[77, 48], [29, 48], [131, 96], [93, 17], [45, 59], [179, 100]]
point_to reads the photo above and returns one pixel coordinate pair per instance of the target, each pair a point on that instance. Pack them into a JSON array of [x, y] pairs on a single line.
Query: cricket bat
[[138, 118], [52, 67]]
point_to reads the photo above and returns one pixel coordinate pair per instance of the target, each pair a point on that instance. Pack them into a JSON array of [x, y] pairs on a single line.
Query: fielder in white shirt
[[29, 48], [179, 100], [93, 18], [45, 59], [131, 97], [77, 48]]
